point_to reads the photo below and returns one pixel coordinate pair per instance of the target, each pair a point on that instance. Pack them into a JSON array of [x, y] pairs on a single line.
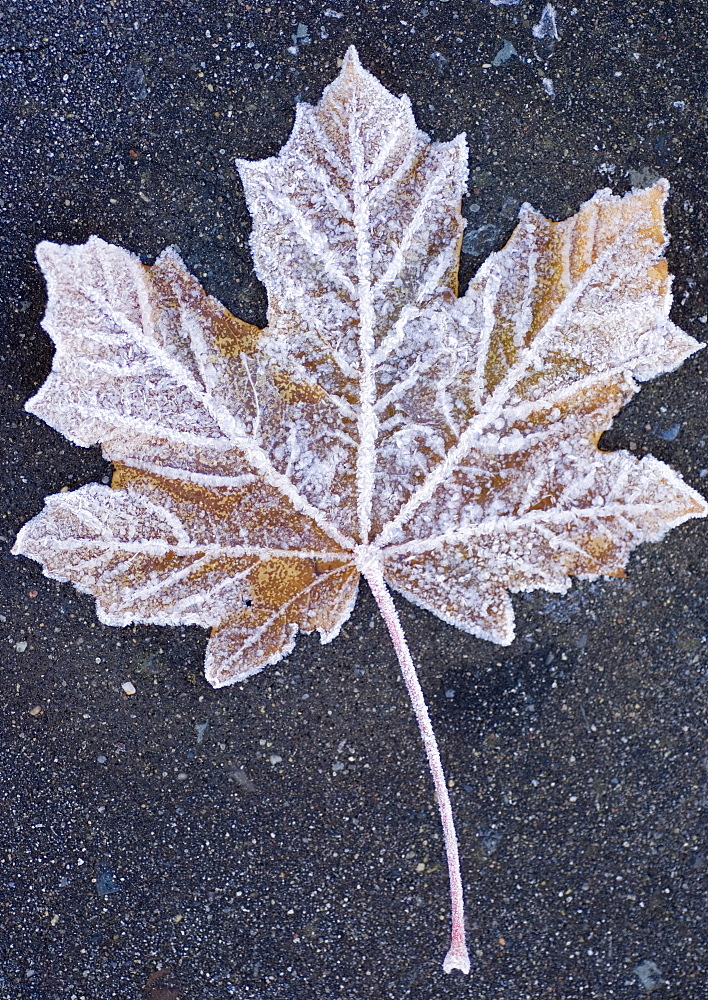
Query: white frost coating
[[443, 446], [359, 184]]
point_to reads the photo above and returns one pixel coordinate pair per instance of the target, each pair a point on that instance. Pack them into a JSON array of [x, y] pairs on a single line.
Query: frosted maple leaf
[[444, 447]]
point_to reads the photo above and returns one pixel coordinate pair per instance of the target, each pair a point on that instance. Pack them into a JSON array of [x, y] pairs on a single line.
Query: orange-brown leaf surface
[[453, 441]]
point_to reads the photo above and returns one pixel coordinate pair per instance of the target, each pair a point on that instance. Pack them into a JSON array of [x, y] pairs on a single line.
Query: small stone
[[106, 882], [20, 647], [668, 433], [135, 83], [546, 27], [36, 710], [275, 758], [479, 241], [128, 687], [490, 838], [649, 975], [504, 54]]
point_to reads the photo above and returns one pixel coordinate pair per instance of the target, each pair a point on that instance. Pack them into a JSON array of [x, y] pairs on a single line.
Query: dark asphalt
[[279, 839]]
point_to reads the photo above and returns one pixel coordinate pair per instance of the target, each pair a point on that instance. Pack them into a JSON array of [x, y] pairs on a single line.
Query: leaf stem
[[457, 956]]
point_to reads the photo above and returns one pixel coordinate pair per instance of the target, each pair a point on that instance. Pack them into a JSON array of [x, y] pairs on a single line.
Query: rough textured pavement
[[279, 839]]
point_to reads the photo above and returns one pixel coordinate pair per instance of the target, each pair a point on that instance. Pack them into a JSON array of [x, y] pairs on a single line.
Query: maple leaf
[[445, 447]]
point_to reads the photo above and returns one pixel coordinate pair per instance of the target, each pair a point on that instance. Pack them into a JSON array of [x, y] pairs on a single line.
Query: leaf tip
[[661, 186], [42, 250], [351, 59], [170, 255], [47, 255], [17, 549]]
